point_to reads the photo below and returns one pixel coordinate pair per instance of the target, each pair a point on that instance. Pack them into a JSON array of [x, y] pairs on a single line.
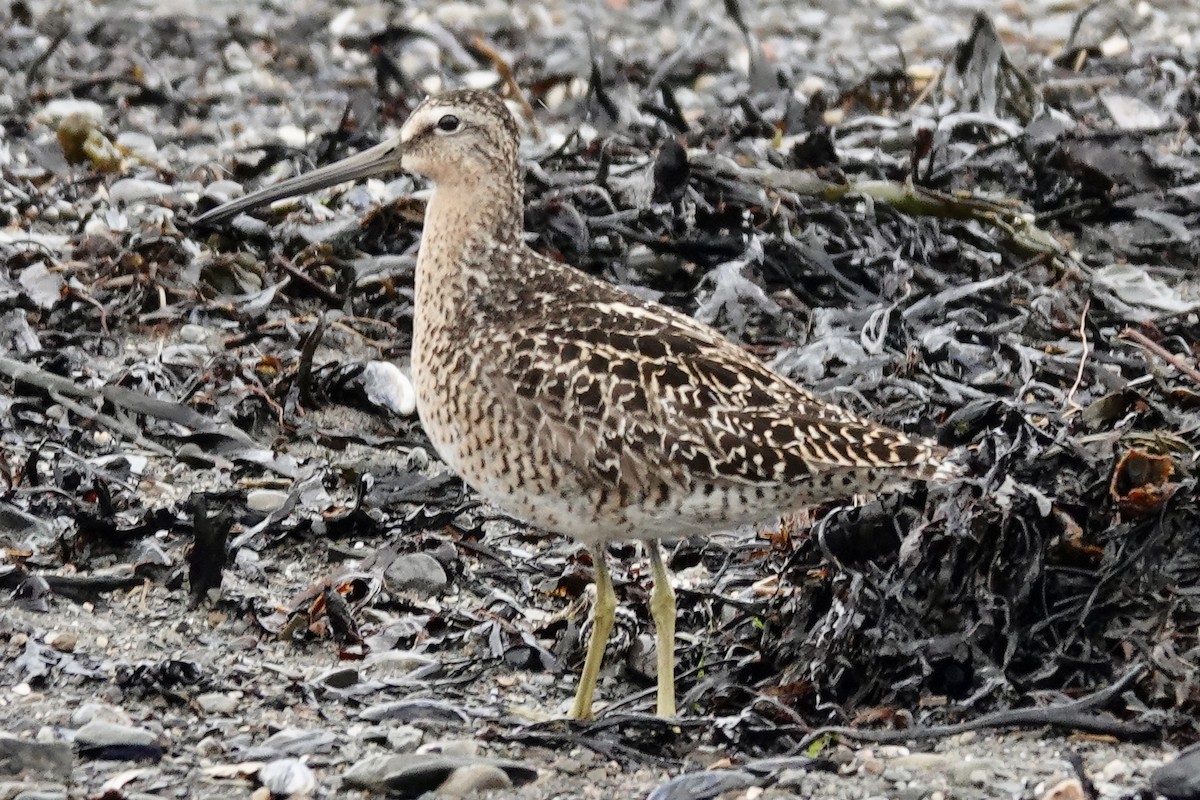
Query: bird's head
[[458, 137], [459, 134]]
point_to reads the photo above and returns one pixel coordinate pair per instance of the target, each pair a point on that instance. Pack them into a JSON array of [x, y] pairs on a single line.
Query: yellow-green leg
[[662, 611], [602, 622]]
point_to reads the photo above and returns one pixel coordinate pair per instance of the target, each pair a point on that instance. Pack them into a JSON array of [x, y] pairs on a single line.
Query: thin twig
[[87, 298], [510, 80], [1069, 405], [378, 344], [1157, 349], [35, 67], [261, 393], [304, 370], [332, 298]]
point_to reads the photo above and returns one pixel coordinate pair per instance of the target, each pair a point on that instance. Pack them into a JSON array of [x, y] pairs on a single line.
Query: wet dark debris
[[987, 237]]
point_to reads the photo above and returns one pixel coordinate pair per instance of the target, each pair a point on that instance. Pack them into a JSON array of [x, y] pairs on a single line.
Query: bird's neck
[[470, 208], [471, 225]]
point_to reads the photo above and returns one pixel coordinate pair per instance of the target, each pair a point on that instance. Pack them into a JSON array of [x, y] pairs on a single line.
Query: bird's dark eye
[[448, 124]]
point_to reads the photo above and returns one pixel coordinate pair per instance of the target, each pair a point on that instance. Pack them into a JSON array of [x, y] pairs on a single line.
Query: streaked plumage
[[580, 408]]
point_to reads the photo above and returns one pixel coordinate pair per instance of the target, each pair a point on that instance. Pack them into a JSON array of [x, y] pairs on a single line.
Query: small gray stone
[[138, 142], [386, 386], [99, 733], [1114, 770], [292, 742], [374, 733], [793, 779], [53, 112], [445, 553], [338, 677], [971, 772], [224, 190], [41, 794], [217, 703], [980, 777], [419, 573], [370, 772], [404, 738], [410, 775], [706, 783], [395, 662], [193, 333], [412, 710], [568, 766], [44, 759], [99, 712]]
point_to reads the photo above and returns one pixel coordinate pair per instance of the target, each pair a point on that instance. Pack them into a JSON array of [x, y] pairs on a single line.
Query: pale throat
[[466, 217]]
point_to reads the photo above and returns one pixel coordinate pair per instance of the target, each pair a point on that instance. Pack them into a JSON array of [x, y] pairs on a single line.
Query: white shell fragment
[[265, 500], [388, 387]]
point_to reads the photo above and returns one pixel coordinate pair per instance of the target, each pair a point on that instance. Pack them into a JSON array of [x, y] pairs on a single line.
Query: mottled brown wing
[[635, 393]]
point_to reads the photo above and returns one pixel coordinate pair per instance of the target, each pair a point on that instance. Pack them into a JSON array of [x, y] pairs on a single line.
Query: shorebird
[[580, 408]]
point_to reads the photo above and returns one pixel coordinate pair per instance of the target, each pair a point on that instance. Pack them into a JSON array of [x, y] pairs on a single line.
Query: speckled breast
[[493, 451]]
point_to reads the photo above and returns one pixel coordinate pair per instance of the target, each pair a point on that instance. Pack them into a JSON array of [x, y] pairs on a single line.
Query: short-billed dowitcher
[[580, 408]]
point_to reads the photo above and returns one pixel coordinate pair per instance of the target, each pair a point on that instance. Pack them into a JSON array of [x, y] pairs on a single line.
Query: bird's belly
[[492, 455], [494, 460]]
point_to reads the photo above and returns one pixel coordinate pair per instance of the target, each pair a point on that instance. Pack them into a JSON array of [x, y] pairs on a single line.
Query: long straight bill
[[384, 157]]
